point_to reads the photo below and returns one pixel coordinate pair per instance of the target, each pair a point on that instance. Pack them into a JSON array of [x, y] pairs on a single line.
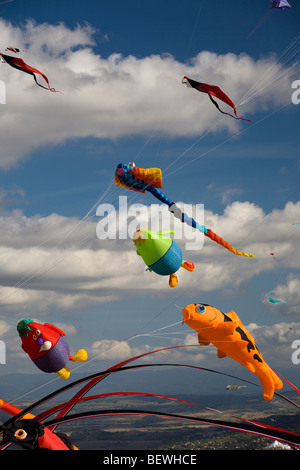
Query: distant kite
[[235, 387], [273, 254], [14, 49], [281, 4], [19, 64], [215, 91], [275, 301]]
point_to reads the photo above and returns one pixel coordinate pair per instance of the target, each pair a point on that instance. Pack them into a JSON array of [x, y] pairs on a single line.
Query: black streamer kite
[[37, 432]]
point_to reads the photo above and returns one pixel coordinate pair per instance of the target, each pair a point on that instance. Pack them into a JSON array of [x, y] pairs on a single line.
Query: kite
[[213, 90], [62, 409], [30, 434], [273, 254], [47, 347], [275, 301], [161, 254], [19, 64], [150, 179], [231, 338], [14, 49], [281, 4], [235, 387]]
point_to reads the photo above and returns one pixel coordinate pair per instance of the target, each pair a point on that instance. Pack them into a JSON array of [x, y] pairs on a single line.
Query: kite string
[[195, 143], [172, 163], [267, 77]]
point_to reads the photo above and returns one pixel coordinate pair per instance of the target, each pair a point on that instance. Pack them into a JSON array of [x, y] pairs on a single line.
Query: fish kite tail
[[270, 382], [213, 236]]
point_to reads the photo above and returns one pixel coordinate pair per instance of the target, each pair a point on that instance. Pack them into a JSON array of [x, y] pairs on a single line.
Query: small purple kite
[[281, 4]]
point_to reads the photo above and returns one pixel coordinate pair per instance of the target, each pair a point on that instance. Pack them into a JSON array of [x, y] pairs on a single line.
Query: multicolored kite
[[19, 64], [161, 254], [31, 434], [231, 338], [150, 179], [14, 49], [215, 91], [275, 301], [47, 347]]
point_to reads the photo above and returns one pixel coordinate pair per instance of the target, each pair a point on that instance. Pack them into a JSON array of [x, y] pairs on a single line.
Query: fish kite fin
[[228, 327], [250, 367], [202, 341], [233, 315], [221, 354]]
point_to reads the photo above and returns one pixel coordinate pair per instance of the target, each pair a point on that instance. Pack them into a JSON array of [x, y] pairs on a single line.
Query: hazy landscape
[[140, 432]]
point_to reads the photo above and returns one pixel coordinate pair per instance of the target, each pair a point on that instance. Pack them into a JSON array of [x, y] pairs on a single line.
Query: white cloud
[[119, 96], [4, 329]]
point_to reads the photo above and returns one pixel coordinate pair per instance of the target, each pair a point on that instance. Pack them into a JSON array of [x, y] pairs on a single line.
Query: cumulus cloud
[[118, 96], [118, 350], [4, 328], [60, 261]]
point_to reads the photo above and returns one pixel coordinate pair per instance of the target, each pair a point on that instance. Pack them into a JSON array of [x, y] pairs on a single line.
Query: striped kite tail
[[213, 236]]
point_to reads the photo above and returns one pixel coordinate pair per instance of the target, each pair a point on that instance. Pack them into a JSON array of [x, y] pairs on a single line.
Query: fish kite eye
[[201, 308], [21, 434]]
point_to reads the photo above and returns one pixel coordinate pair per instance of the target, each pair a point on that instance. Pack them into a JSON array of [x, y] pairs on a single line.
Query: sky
[[118, 67]]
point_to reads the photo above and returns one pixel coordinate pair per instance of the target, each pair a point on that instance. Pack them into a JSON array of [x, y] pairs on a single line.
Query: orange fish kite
[[231, 338]]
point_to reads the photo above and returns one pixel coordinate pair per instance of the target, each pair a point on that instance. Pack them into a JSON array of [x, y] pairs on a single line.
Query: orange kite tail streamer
[[213, 236]]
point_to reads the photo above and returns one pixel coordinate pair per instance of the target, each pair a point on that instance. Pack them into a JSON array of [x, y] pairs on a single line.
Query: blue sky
[[119, 66]]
